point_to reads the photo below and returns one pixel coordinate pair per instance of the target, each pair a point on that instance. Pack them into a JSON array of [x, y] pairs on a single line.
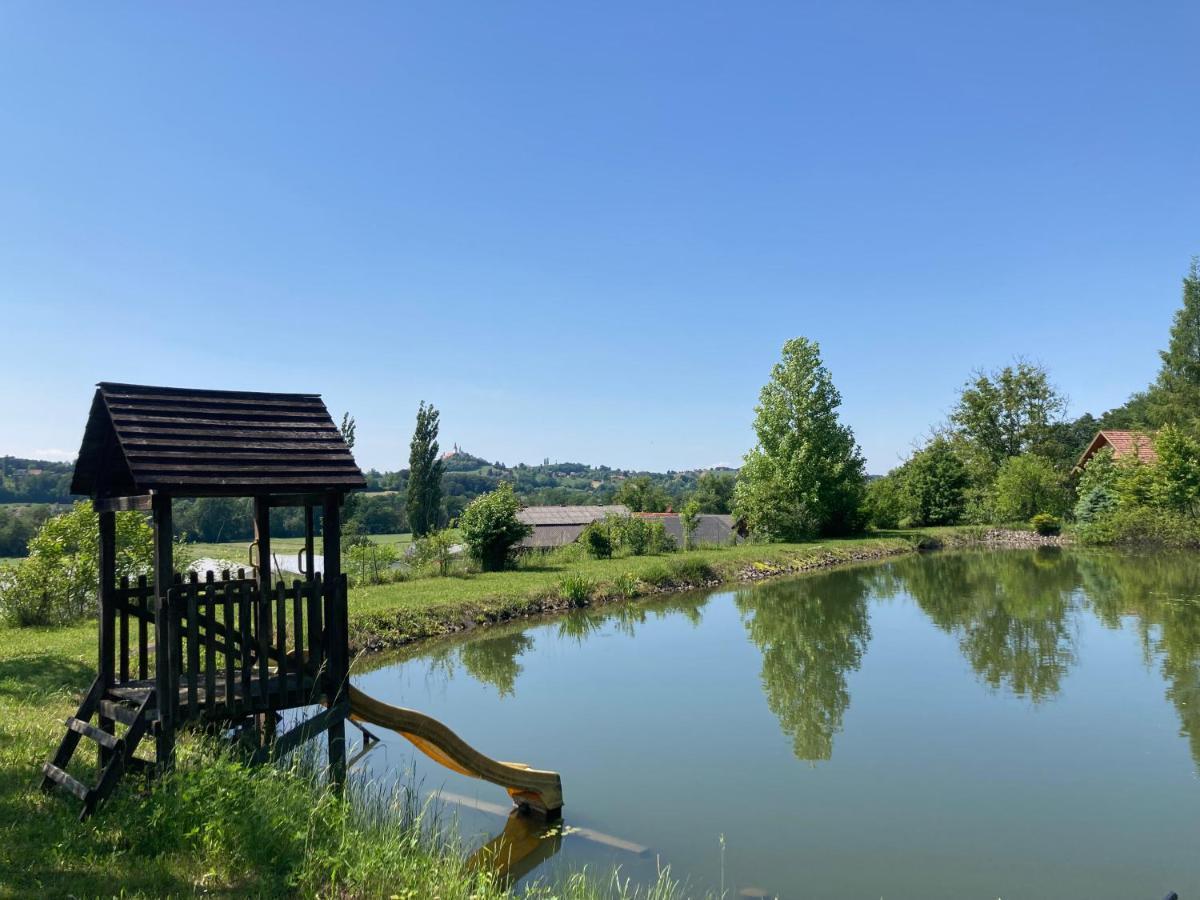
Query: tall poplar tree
[[424, 501], [1175, 397], [805, 475]]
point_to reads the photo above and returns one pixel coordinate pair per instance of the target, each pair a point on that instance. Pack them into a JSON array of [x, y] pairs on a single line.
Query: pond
[[974, 724]]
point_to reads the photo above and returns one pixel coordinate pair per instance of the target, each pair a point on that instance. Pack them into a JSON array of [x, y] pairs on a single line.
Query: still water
[[1008, 724]]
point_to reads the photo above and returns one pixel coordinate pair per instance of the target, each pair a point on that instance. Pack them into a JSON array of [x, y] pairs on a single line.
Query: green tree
[[490, 527], [689, 518], [714, 492], [1027, 485], [1175, 396], [1009, 412], [424, 500], [58, 582], [641, 494], [935, 483], [804, 476], [884, 502], [1177, 472]]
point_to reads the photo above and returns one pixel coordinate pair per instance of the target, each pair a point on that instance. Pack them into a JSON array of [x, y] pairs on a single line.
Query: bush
[[372, 563], [435, 552], [597, 538], [490, 527], [576, 588], [1046, 524], [1095, 504], [1025, 486], [1141, 525], [58, 582]]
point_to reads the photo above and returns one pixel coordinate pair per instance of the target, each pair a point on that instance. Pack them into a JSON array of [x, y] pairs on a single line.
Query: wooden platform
[[245, 696]]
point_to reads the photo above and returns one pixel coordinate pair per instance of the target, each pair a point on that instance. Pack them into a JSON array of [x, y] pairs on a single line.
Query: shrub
[[1095, 504], [491, 529], [1141, 525], [576, 588], [371, 563], [884, 501], [689, 570], [59, 580], [597, 538], [435, 551], [1025, 486], [1046, 524]]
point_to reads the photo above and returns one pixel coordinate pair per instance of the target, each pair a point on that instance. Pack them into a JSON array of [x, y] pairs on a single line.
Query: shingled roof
[[210, 443], [1122, 443]]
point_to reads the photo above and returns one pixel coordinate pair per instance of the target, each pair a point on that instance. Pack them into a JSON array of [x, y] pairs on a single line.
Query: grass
[[395, 614], [217, 826]]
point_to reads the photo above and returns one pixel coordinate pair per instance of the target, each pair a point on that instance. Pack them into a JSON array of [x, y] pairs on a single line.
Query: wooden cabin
[[227, 651]]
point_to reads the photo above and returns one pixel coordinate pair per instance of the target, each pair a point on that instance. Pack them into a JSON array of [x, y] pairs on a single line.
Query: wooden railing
[[234, 652]]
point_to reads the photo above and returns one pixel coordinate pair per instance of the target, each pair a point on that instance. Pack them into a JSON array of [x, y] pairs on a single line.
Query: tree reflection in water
[[812, 633]]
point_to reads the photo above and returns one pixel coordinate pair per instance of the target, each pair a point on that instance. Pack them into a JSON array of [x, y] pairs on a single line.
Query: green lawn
[[219, 827], [285, 549]]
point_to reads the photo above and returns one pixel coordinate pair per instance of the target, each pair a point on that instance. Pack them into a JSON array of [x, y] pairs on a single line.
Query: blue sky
[[584, 231]]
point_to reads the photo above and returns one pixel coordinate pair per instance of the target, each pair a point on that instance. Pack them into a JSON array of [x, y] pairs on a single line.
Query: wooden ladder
[[137, 711]]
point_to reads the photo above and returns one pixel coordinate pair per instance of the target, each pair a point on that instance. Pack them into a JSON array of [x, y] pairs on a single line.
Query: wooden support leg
[[337, 754]]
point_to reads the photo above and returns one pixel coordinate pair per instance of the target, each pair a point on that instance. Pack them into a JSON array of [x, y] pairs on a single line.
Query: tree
[[1175, 396], [804, 476], [714, 492], [689, 518], [59, 579], [641, 494], [1009, 412], [490, 527], [935, 483], [884, 502], [424, 501], [347, 428], [1027, 485], [1177, 472]]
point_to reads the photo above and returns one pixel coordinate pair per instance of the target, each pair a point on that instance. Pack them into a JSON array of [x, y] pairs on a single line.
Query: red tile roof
[[1123, 443]]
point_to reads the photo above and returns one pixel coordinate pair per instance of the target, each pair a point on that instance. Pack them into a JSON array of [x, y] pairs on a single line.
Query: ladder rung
[[58, 776], [103, 738], [119, 711]]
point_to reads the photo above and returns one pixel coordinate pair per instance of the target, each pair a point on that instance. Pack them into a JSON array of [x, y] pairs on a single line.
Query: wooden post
[[309, 558], [163, 578], [337, 639], [108, 618], [262, 536]]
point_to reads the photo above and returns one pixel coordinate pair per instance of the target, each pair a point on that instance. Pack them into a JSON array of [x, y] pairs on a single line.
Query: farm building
[[554, 526], [1123, 444], [710, 528]]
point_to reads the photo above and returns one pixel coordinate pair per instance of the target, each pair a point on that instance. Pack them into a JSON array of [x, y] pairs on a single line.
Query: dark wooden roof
[[210, 443]]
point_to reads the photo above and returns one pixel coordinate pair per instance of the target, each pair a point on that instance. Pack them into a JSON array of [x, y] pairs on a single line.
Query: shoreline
[[381, 631]]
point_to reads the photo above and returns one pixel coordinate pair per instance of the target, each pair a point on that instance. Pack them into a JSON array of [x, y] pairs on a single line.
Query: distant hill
[[34, 480]]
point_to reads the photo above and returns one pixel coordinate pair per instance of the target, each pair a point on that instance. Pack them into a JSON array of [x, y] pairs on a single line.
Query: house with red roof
[[1123, 444]]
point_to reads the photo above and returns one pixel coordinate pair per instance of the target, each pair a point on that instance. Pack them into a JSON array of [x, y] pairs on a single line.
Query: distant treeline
[[34, 480]]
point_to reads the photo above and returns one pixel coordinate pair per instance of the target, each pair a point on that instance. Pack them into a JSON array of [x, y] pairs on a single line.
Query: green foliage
[[58, 581], [20, 523], [1046, 524], [1027, 485], [641, 494], [597, 537], [435, 552], [689, 518], [1094, 505], [884, 501], [424, 498], [1177, 471], [1175, 397], [934, 485], [490, 528], [804, 476], [576, 588], [714, 492], [1131, 524], [368, 562], [627, 585], [1007, 413]]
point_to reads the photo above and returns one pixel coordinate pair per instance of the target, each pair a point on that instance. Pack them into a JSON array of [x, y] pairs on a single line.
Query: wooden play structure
[[231, 653]]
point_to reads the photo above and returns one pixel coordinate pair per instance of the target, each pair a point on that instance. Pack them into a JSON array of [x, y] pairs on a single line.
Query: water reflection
[[812, 633], [1015, 616]]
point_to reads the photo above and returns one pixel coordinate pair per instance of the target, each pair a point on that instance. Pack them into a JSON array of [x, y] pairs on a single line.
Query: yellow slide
[[537, 789]]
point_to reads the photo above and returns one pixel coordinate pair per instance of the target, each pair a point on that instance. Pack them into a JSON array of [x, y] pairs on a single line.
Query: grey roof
[[711, 528], [545, 536], [568, 515]]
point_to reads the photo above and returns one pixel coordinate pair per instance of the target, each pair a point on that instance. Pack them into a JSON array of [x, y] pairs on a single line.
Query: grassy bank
[[219, 827], [395, 614]]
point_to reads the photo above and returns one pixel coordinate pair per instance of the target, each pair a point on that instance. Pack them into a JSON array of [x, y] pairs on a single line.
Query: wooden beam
[[163, 576], [142, 502], [309, 558]]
